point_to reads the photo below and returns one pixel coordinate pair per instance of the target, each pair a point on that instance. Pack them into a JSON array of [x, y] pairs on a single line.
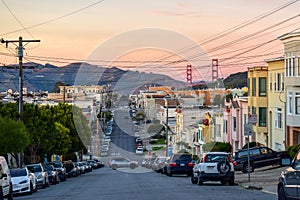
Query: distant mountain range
[[38, 78]]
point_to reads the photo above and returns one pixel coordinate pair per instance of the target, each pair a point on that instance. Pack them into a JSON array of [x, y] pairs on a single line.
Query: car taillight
[[173, 164], [235, 163], [191, 165]]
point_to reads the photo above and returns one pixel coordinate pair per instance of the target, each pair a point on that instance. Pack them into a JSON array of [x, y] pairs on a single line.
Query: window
[[248, 85], [297, 103], [278, 81], [294, 66], [262, 117], [234, 123], [253, 110], [298, 66], [286, 67], [290, 103], [225, 126], [218, 130], [262, 87], [278, 118], [270, 82], [254, 87], [282, 81]]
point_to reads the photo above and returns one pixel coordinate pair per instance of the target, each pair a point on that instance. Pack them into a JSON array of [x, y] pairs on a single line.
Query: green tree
[[217, 146], [14, 136]]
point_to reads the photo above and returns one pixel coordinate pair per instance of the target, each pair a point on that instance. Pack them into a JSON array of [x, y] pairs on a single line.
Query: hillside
[[238, 80]]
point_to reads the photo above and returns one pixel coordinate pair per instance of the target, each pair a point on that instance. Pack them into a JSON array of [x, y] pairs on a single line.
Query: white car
[[5, 180], [23, 180], [115, 163], [40, 173], [139, 150], [216, 166]]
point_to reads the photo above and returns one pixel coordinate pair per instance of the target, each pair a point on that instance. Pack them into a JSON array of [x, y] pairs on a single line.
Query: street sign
[[252, 119], [248, 130]]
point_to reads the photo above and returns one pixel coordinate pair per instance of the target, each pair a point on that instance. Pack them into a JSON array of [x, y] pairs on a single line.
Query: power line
[[24, 28], [55, 19]]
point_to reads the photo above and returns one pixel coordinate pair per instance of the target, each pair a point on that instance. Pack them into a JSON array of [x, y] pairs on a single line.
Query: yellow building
[[258, 102], [276, 104]]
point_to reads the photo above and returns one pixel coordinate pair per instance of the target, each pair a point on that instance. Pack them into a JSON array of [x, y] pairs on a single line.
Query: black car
[[180, 164], [259, 157], [288, 184], [71, 169], [60, 169]]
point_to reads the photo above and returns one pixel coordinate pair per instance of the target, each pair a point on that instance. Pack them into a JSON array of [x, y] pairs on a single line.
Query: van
[[5, 180]]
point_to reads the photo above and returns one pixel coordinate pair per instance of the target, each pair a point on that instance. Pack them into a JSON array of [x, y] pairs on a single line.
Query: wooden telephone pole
[[20, 56]]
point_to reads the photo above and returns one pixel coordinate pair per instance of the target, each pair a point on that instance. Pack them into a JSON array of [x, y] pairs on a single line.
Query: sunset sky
[[76, 30]]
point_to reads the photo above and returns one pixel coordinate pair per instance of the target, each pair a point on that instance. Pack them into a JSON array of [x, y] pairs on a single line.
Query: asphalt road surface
[[140, 183]]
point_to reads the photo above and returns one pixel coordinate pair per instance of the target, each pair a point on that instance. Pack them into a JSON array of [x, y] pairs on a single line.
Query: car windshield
[[35, 168], [18, 172], [49, 167]]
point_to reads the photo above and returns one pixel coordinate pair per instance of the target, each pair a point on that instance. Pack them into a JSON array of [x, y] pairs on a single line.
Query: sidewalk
[[265, 179]]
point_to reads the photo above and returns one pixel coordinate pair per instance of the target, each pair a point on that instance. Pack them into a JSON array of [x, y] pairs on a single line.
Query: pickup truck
[[259, 157]]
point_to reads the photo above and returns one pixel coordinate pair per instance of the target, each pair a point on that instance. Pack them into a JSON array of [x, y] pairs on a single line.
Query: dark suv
[[259, 157], [288, 184], [180, 164]]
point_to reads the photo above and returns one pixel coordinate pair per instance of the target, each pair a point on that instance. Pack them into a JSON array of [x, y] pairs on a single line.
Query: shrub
[[292, 150]]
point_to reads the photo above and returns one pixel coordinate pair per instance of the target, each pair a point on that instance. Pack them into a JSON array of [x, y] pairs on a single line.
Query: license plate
[[182, 164]]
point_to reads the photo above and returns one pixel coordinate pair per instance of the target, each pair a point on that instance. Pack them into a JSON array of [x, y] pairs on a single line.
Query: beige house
[[276, 104], [291, 42]]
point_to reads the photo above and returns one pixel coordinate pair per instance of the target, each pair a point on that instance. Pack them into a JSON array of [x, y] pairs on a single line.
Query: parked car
[[180, 164], [93, 164], [60, 169], [99, 163], [139, 150], [158, 164], [88, 166], [115, 163], [52, 173], [23, 180], [165, 165], [40, 173], [288, 186], [78, 169], [216, 166], [5, 180], [82, 167], [71, 170], [259, 157]]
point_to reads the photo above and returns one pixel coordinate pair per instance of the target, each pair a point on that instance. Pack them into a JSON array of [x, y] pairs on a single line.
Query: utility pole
[[20, 56], [167, 131]]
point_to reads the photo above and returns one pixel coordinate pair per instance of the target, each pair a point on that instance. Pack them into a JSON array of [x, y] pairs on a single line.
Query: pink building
[[235, 116]]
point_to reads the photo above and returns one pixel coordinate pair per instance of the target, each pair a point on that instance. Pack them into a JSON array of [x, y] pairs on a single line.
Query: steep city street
[[139, 183]]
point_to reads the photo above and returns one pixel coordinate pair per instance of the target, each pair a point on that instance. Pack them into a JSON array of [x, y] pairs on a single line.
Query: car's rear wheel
[[245, 168], [132, 166], [114, 167], [281, 194], [199, 180], [194, 180]]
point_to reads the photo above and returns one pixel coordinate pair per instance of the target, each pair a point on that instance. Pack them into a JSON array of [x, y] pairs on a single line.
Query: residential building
[[276, 104], [291, 42], [258, 103], [234, 119]]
